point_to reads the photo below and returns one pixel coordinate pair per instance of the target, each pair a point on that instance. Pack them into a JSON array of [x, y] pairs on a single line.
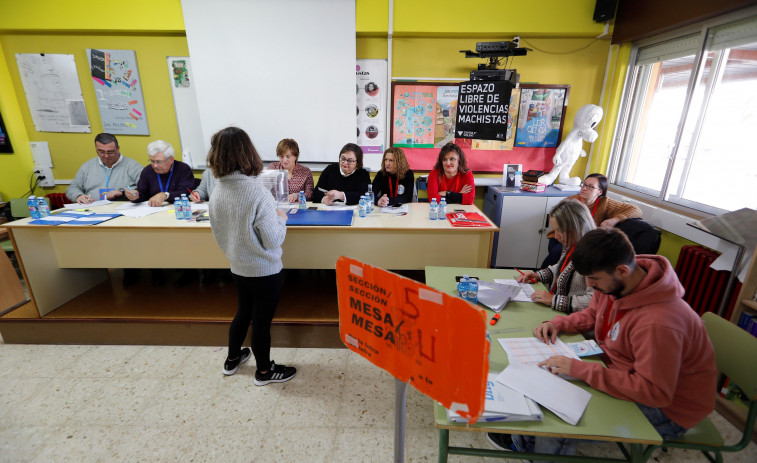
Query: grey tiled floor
[[172, 404]]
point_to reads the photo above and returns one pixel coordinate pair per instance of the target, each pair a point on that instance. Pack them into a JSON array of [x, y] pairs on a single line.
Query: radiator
[[704, 286]]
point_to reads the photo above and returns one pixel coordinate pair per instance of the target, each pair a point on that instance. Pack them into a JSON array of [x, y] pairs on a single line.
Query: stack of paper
[[503, 404], [526, 290], [496, 295]]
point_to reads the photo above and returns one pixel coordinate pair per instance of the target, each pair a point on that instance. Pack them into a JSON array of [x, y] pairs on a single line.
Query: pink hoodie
[[658, 354]]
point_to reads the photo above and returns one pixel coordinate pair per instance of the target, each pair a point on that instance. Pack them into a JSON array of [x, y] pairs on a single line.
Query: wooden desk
[[606, 418], [61, 262]]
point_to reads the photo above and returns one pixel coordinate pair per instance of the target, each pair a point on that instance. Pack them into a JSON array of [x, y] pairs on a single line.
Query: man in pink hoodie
[[657, 352]]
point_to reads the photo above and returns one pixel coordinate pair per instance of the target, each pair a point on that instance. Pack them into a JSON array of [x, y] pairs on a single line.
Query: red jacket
[[658, 354], [434, 186]]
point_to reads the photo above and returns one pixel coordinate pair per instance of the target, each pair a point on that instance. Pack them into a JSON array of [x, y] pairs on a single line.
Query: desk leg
[[443, 445], [637, 453]]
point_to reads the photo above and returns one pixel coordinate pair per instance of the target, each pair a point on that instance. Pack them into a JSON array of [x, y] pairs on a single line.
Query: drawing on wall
[[423, 114], [180, 73], [118, 90], [446, 112], [53, 93], [541, 116], [370, 88]]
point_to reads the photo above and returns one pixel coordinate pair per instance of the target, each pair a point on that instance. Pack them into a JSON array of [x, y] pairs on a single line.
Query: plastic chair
[[57, 200], [421, 184], [735, 351], [19, 209]]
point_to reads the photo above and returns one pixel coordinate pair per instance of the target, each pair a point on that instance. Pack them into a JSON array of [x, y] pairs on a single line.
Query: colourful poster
[[540, 117], [118, 90], [414, 109], [446, 112], [371, 88], [416, 333]]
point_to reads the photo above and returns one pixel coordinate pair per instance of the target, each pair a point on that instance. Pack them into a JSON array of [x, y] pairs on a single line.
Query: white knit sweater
[[245, 225]]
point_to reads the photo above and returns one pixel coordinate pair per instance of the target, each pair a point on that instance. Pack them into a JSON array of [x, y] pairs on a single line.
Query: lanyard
[[594, 208], [168, 182], [562, 267], [607, 325], [396, 186], [446, 186], [107, 176]]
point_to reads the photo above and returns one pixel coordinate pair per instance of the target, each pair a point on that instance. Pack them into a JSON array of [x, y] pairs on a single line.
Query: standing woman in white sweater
[[250, 229]]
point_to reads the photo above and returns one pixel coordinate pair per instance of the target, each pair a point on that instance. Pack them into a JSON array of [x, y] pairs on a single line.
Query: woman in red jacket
[[451, 177]]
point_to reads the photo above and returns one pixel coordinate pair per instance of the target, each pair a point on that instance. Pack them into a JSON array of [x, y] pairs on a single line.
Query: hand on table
[[281, 213], [557, 364], [113, 194], [542, 297], [293, 197], [131, 195], [383, 201], [157, 200], [84, 199], [529, 277], [546, 332], [195, 197]]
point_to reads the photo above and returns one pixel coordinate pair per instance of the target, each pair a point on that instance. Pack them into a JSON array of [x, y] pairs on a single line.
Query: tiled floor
[[172, 404]]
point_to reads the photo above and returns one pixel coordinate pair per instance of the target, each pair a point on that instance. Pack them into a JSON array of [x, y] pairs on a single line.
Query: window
[[688, 128]]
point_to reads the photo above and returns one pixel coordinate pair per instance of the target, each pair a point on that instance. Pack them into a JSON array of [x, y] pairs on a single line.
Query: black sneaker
[[275, 374], [501, 441], [231, 366]]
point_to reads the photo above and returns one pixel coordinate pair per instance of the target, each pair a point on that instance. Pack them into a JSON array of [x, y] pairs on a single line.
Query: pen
[[322, 190], [193, 193], [494, 319], [531, 278]]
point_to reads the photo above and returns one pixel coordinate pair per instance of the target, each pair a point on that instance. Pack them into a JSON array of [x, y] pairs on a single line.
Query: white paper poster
[[118, 90], [371, 87], [53, 93], [193, 150]]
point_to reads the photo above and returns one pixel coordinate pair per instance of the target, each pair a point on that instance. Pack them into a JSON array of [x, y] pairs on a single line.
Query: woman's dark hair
[[602, 183], [462, 165], [358, 153], [232, 150]]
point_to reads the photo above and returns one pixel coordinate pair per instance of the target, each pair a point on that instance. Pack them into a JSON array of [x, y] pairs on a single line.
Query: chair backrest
[[19, 208], [57, 200], [421, 183], [735, 351], [644, 237]]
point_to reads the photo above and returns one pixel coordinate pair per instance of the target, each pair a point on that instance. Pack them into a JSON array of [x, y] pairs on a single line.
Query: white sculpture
[[571, 148]]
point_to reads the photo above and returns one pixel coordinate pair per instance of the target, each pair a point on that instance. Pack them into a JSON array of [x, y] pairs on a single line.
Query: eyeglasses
[[107, 153], [158, 163], [347, 161], [589, 187]]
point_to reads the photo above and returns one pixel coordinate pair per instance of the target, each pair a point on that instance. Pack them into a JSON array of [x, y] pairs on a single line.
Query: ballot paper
[[403, 209], [526, 290], [496, 295], [102, 202], [564, 399], [140, 209], [532, 351], [503, 404]]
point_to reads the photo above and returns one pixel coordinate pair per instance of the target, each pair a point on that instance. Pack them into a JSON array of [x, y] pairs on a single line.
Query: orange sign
[[435, 341]]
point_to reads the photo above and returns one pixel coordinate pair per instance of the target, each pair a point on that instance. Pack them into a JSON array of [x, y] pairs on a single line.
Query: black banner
[[482, 109], [97, 58]]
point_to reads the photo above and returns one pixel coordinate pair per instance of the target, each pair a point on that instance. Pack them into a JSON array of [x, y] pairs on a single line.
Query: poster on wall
[[512, 119], [483, 107], [181, 75], [5, 141], [370, 88], [541, 115], [53, 92], [423, 114], [118, 90]]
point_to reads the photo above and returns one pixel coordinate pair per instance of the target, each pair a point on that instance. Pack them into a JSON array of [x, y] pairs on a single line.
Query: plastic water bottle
[[443, 208], [302, 200], [186, 208], [371, 198], [31, 203], [178, 207], [361, 207], [43, 208], [462, 287], [473, 290], [433, 210]]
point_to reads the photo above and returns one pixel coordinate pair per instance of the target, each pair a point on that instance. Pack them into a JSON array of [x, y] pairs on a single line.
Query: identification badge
[[104, 192]]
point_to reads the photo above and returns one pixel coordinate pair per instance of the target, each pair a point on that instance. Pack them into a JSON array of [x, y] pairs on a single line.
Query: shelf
[[750, 303]]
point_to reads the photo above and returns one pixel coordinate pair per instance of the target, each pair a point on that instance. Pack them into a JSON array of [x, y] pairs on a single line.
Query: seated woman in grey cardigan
[[571, 220]]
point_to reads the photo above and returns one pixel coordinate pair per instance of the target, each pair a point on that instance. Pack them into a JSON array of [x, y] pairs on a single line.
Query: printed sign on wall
[[371, 88], [483, 108], [118, 90], [416, 333]]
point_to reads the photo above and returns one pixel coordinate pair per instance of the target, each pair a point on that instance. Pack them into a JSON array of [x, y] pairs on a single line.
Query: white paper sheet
[[199, 206], [532, 351], [395, 210], [102, 202], [564, 399], [142, 211], [496, 295], [526, 290]]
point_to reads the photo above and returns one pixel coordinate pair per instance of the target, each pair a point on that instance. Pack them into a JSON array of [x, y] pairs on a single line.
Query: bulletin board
[[423, 120]]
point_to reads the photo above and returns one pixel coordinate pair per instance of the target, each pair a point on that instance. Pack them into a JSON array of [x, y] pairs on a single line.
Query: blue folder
[[319, 218]]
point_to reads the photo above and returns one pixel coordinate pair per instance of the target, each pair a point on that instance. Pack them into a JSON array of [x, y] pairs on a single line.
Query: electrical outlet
[[45, 176], [516, 41]]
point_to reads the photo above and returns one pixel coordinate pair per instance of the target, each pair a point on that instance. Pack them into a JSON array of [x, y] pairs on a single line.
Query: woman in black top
[[393, 184], [345, 181]]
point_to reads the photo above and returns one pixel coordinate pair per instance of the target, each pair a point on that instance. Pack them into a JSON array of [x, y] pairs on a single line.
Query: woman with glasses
[[606, 212], [570, 220], [345, 181], [394, 183], [451, 178]]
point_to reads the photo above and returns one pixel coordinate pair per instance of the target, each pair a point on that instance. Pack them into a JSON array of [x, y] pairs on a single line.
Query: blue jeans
[[562, 446]]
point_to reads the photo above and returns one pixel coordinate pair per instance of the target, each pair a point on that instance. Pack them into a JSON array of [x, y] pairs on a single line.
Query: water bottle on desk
[[302, 200], [43, 208], [186, 207], [178, 207], [31, 203], [433, 210], [361, 207], [371, 198], [473, 290], [443, 208], [462, 287]]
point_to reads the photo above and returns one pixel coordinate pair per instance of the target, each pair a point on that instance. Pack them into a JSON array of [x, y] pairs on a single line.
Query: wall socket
[[45, 176]]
